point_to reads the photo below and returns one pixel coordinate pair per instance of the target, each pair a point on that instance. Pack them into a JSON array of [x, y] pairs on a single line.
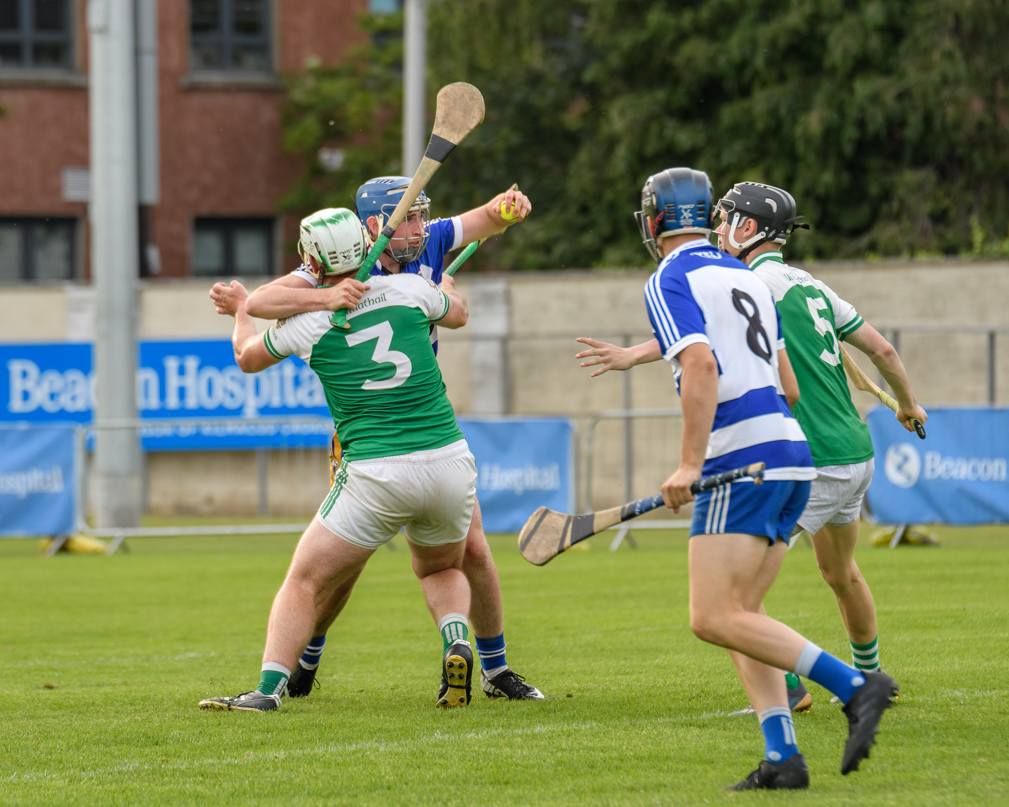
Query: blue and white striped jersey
[[699, 294]]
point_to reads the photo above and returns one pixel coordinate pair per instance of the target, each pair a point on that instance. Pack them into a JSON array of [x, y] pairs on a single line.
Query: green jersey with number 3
[[382, 382], [814, 320]]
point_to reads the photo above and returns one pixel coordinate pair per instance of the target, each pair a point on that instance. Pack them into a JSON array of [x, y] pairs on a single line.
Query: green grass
[[105, 658]]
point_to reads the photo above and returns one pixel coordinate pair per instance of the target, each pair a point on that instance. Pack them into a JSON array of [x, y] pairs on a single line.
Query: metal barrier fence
[[644, 459], [282, 482]]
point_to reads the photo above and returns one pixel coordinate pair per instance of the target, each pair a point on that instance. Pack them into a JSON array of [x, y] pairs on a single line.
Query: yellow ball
[[509, 215]]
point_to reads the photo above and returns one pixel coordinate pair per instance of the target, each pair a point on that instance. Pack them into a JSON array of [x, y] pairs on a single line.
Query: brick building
[[221, 164]]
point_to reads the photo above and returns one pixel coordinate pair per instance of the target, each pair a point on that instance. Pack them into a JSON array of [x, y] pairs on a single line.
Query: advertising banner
[[957, 475], [523, 464], [38, 483], [176, 380]]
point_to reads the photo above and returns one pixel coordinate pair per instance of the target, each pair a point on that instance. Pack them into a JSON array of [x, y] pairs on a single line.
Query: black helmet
[[772, 208]]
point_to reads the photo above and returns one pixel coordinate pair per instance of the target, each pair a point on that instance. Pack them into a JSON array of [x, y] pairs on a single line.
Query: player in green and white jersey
[[756, 220], [406, 461], [418, 247]]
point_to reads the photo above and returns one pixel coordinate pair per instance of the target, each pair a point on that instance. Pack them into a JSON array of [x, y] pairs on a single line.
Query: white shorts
[[431, 493], [835, 497]]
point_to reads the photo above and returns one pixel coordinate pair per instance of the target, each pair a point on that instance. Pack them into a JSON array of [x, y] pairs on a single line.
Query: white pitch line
[[250, 757]]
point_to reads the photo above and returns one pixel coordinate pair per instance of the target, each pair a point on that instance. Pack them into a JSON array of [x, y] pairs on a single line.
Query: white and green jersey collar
[[771, 255]]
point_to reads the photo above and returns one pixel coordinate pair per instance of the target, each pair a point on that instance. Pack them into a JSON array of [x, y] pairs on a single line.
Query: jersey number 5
[[824, 328], [382, 333]]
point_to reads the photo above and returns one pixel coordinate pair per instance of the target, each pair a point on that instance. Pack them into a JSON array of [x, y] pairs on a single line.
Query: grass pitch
[[104, 660]]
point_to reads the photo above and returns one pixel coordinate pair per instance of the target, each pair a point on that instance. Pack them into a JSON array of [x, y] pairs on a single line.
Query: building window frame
[[30, 247], [228, 229], [385, 6], [227, 39], [28, 37]]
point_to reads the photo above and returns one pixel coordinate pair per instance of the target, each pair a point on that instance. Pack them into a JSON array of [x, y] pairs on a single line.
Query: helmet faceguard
[[771, 208], [335, 238], [379, 197], [676, 201]]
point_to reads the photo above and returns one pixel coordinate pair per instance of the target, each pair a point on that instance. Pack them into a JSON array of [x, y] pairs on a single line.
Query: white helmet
[[336, 239]]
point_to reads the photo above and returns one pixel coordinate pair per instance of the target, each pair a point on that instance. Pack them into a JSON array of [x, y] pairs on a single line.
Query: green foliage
[[887, 120], [352, 107], [104, 661]]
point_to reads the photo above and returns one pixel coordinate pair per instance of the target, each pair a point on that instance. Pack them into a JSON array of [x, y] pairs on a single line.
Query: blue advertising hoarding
[[957, 475], [522, 464], [38, 480], [176, 380]]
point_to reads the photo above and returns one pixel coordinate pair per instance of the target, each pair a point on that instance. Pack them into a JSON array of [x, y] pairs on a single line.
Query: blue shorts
[[771, 509]]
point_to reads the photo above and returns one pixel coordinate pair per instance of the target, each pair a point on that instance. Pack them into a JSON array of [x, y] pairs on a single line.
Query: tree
[[350, 109], [887, 120]]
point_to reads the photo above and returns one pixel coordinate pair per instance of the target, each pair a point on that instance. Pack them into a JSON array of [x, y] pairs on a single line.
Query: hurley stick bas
[[864, 383], [459, 110], [547, 533]]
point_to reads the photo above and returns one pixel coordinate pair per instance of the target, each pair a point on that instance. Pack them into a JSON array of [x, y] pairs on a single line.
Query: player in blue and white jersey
[[716, 324], [419, 246]]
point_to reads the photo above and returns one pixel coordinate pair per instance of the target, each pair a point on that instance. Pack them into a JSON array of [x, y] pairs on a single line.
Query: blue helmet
[[379, 197], [676, 201]]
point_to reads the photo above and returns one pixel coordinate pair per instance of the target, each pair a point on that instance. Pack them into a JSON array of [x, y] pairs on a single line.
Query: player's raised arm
[[332, 244], [611, 357], [292, 294], [250, 350], [495, 216]]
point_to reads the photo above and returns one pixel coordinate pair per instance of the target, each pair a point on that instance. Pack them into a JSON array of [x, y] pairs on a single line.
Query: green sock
[[791, 680], [865, 656], [273, 678], [453, 627]]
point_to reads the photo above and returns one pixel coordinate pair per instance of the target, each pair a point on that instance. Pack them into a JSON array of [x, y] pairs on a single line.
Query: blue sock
[[310, 658], [491, 652], [779, 733], [829, 672]]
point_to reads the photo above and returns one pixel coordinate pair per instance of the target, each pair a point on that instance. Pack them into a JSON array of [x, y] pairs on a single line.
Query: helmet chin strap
[[747, 246]]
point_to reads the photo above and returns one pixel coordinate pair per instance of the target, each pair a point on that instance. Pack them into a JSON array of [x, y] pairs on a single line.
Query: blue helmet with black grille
[[676, 201], [378, 197]]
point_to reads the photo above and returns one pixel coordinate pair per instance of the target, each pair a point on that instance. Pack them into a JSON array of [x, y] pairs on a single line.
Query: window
[[229, 36], [384, 6], [242, 247], [37, 249], [35, 33]]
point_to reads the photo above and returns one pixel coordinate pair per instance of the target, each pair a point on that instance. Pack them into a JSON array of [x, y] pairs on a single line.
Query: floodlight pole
[[414, 70], [114, 258]]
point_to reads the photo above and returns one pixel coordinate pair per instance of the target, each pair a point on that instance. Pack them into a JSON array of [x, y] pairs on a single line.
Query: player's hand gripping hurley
[[458, 112], [547, 533], [864, 383]]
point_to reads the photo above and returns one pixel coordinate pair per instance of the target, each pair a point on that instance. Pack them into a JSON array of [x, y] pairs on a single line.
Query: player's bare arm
[[789, 383], [290, 295], [487, 220], [458, 311], [611, 357], [250, 349], [699, 399], [886, 359]]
